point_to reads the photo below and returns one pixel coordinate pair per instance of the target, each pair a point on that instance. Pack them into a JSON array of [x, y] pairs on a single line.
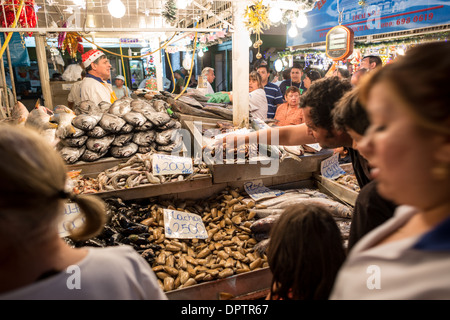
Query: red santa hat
[[90, 57]]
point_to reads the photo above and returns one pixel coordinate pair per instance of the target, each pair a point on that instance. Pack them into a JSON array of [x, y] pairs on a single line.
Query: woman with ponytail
[[35, 263]]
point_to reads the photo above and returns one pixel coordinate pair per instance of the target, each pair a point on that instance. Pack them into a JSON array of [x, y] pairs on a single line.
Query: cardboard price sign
[[257, 191], [165, 165], [330, 168], [71, 219], [183, 225]]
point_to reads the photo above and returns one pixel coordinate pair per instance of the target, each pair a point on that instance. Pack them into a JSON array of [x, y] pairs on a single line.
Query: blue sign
[[372, 17]]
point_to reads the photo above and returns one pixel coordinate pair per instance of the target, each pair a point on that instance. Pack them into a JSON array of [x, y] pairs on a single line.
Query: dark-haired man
[[371, 62], [295, 80], [273, 93]]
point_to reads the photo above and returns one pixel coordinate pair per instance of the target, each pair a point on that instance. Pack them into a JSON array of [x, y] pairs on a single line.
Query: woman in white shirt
[[36, 262], [408, 145]]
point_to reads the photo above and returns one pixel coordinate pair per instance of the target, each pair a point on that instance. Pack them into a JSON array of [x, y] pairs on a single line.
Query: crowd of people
[[398, 140]]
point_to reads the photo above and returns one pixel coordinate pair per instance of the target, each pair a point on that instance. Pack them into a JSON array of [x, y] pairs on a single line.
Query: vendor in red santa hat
[[96, 86]]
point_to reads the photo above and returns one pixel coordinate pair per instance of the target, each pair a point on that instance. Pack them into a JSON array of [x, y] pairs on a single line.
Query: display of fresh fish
[[221, 111], [111, 123], [60, 108], [19, 113], [134, 118], [75, 142], [90, 156], [65, 128], [104, 106], [121, 106], [49, 135], [264, 224], [125, 151], [39, 119], [72, 155], [157, 118], [151, 148], [122, 139], [87, 107], [127, 128], [99, 145], [145, 127], [166, 137], [86, 121], [171, 124], [160, 105], [144, 138], [97, 132]]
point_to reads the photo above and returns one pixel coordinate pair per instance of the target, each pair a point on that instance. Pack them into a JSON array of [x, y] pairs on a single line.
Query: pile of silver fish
[[138, 171], [180, 263], [122, 129], [268, 212]]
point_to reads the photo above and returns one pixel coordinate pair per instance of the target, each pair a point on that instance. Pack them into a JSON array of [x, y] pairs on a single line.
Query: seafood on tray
[[179, 263]]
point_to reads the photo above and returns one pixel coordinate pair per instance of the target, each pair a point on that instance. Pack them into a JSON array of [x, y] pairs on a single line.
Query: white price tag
[[166, 164], [315, 146], [71, 219], [257, 191], [330, 168], [183, 225]]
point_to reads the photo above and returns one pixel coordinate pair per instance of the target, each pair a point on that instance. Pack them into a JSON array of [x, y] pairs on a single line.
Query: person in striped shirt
[[273, 93]]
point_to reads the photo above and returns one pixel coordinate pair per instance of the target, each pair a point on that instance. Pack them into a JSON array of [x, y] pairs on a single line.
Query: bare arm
[[287, 136]]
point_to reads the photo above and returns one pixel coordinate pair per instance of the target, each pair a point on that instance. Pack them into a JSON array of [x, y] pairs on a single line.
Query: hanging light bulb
[[292, 31], [275, 14], [182, 4], [302, 20], [278, 65], [116, 8], [200, 53]]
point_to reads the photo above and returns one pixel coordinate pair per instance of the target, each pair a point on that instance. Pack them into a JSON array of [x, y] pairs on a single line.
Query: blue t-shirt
[[274, 98]]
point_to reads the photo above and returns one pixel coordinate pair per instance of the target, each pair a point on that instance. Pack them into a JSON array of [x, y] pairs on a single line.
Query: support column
[[240, 66], [158, 64], [43, 70]]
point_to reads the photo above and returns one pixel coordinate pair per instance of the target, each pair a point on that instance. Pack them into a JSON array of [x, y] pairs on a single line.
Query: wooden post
[[158, 64], [11, 73], [43, 70], [240, 61], [4, 86]]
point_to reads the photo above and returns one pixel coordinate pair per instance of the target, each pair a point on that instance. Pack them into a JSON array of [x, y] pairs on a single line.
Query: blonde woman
[[35, 262]]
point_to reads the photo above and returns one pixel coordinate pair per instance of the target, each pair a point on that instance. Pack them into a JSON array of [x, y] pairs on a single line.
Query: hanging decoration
[[169, 12], [27, 17], [257, 19], [72, 44]]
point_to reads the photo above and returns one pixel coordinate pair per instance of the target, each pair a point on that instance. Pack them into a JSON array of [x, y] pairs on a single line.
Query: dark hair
[[297, 66], [313, 75], [287, 74], [305, 253], [321, 98], [374, 59], [349, 113], [292, 89], [265, 66], [344, 72], [429, 100]]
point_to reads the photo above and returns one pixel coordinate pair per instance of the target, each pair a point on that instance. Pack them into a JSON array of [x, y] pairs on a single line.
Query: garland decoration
[[256, 20], [169, 12], [27, 18], [72, 44]]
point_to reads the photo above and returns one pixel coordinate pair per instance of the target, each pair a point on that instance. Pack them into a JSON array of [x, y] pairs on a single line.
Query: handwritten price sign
[[70, 220], [166, 164], [330, 168], [257, 191], [183, 225]]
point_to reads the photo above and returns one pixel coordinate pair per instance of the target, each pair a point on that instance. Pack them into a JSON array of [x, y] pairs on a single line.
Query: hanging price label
[[183, 225], [166, 164]]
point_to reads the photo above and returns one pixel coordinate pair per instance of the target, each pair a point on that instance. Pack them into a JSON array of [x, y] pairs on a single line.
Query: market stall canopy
[[111, 16]]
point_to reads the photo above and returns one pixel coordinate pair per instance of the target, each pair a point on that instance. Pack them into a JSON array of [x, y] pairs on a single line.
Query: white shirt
[[75, 93], [258, 104], [120, 93], [395, 270], [113, 273], [95, 91]]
